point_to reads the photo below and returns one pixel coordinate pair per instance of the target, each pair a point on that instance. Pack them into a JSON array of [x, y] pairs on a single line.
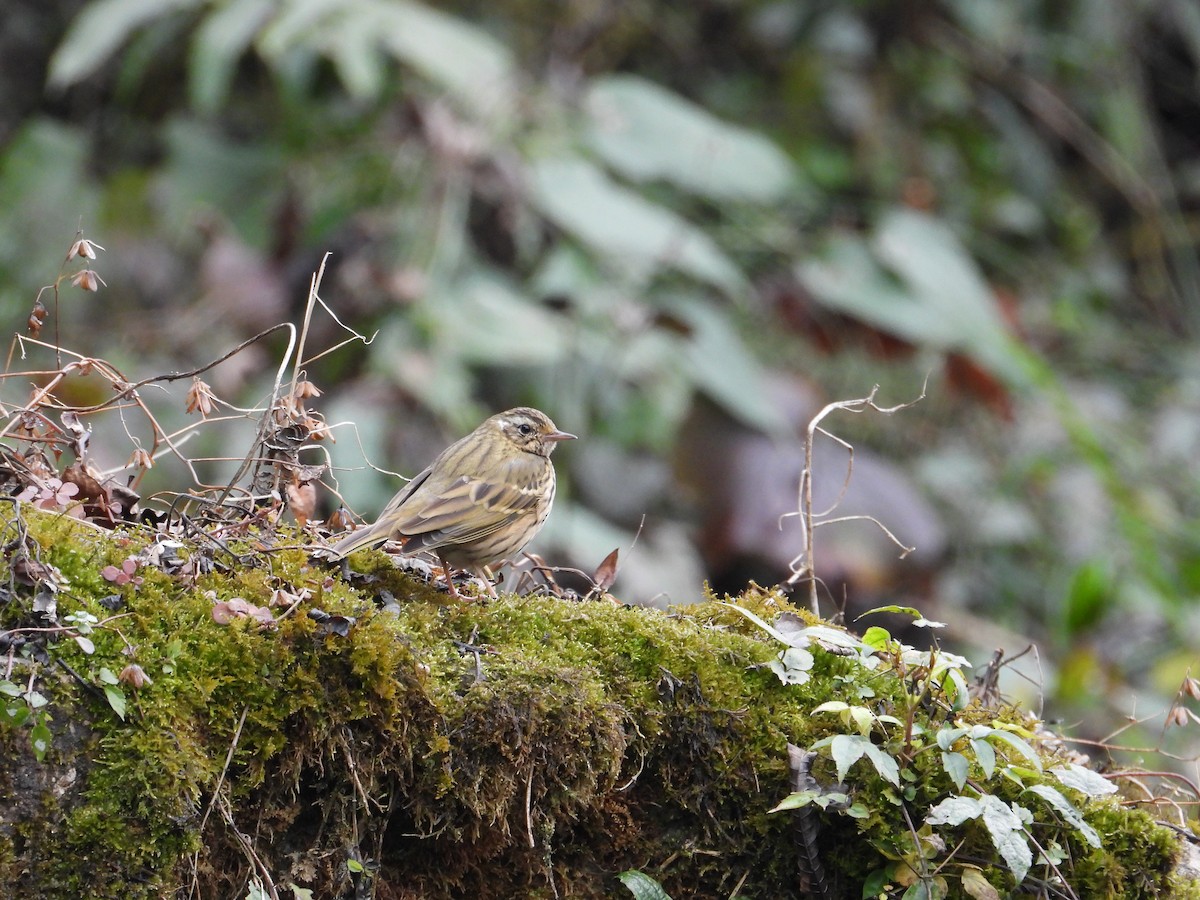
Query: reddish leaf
[[606, 572]]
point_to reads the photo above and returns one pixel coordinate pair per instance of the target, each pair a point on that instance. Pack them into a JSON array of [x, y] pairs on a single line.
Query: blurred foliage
[[610, 209]]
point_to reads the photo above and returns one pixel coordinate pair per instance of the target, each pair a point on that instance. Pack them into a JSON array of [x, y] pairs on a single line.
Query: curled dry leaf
[[200, 398], [134, 676], [225, 611], [302, 501], [606, 572], [37, 316], [88, 487]]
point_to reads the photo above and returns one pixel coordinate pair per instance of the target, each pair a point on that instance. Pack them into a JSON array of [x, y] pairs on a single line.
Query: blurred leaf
[[475, 68], [941, 275], [632, 233], [352, 43], [44, 198], [646, 133], [100, 29], [1087, 597], [719, 364], [442, 383], [206, 171], [938, 300], [483, 319], [221, 40]]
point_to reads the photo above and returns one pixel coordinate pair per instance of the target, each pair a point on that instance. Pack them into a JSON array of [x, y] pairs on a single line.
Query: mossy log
[[416, 748]]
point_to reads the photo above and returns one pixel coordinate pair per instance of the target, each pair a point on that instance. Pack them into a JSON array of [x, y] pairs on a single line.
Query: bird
[[479, 502]]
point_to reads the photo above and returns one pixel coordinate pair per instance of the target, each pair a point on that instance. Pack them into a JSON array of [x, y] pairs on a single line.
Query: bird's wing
[[466, 508]]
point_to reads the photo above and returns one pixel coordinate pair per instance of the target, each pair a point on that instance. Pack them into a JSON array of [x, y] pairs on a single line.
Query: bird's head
[[529, 429]]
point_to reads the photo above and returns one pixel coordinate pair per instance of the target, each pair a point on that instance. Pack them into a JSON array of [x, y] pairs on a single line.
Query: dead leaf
[[606, 572]]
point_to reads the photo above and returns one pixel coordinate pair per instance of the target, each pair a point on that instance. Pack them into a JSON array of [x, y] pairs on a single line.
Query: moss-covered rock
[[519, 747]]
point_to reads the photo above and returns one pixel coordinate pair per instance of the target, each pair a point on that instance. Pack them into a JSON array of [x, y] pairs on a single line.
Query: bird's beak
[[556, 436]]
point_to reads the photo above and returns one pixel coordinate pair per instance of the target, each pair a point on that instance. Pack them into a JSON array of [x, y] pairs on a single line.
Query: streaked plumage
[[480, 502]]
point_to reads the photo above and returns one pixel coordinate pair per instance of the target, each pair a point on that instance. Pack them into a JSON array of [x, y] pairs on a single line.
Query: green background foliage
[[613, 210]]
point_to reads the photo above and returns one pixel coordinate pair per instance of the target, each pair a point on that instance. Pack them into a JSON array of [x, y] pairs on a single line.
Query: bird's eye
[[525, 428]]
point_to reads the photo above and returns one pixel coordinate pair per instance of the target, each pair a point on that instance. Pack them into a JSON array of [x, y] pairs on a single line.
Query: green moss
[[478, 748]]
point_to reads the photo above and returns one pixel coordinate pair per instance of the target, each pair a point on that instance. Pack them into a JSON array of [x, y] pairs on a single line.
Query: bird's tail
[[357, 540]]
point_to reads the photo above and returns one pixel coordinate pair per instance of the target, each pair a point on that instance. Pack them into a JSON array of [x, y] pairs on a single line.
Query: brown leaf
[[90, 489], [200, 398], [134, 676], [606, 572], [302, 500]]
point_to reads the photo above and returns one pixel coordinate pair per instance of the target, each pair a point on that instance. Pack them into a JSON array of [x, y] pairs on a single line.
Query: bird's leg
[[489, 579], [446, 570]]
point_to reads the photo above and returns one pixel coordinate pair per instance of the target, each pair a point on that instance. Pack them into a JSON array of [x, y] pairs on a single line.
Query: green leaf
[[892, 608], [836, 706], [107, 676], [1084, 780], [39, 739], [484, 318], [35, 699], [954, 811], [1068, 811], [947, 736], [8, 689], [648, 133], [877, 638], [719, 363], [885, 765], [352, 43], [475, 67], [1018, 744], [820, 798], [637, 238], [1006, 828], [938, 300], [875, 884], [791, 638], [116, 699], [846, 750], [985, 755], [792, 665], [99, 30], [221, 41], [863, 719], [642, 886], [955, 687], [956, 766], [85, 644], [16, 714], [355, 866], [301, 893]]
